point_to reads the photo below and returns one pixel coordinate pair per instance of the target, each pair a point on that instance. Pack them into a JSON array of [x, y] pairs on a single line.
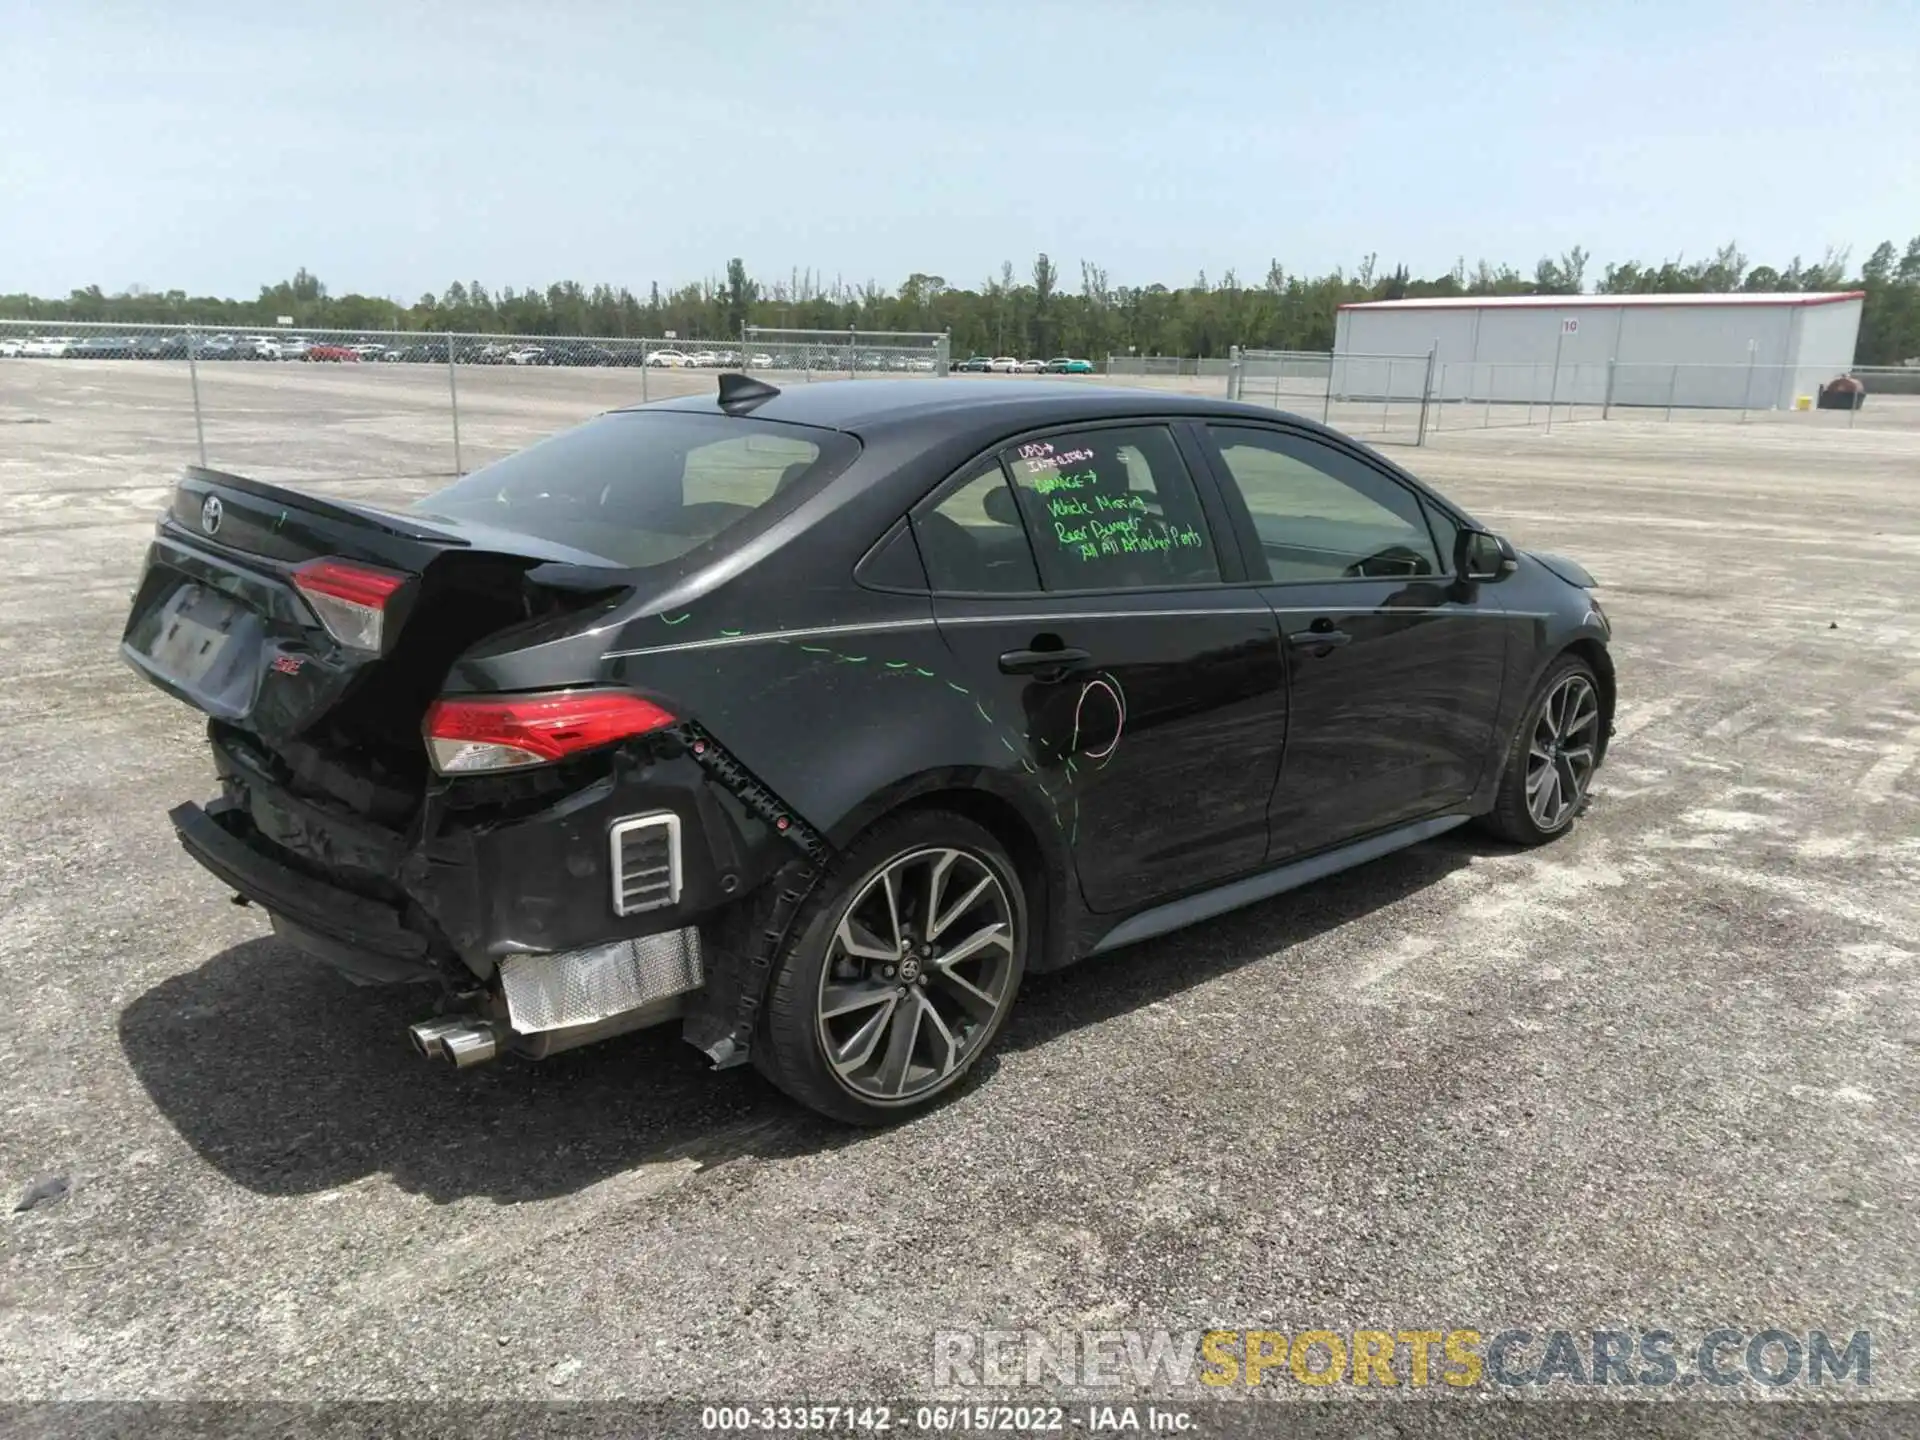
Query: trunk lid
[[257, 518], [221, 621]]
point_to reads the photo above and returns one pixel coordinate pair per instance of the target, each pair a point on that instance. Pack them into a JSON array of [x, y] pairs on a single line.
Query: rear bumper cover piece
[[213, 836]]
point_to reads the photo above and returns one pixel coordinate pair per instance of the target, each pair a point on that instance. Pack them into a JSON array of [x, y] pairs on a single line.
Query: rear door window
[[644, 488], [1112, 509]]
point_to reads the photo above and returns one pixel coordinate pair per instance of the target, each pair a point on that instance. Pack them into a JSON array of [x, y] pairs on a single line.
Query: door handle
[[1036, 662], [1328, 639]]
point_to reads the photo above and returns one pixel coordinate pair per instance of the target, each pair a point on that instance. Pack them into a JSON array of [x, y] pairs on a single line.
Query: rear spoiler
[[198, 480]]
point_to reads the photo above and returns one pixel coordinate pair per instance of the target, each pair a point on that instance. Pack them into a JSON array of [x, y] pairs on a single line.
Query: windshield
[[645, 487]]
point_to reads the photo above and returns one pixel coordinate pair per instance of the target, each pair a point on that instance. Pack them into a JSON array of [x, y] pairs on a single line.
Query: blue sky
[[392, 148]]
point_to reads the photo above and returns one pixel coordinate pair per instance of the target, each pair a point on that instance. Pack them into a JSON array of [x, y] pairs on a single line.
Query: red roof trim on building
[[1577, 302]]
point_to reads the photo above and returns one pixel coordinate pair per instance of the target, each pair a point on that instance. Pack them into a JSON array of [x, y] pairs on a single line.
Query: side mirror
[[1483, 556]]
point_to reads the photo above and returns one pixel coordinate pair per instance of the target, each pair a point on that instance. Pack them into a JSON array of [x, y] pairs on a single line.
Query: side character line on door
[[1104, 690]]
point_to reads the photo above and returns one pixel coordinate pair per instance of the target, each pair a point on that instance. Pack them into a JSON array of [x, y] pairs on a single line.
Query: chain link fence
[[1407, 399], [1166, 365], [305, 401], [850, 353], [1889, 379], [441, 402], [1496, 394], [1487, 395], [1378, 398]]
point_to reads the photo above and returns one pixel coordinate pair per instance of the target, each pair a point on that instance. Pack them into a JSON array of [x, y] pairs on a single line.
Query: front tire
[[901, 971], [1549, 767]]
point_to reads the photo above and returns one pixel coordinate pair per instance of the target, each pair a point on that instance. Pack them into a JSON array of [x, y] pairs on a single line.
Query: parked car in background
[[327, 351], [760, 361], [10, 349], [293, 347], [50, 347], [525, 355], [1003, 365], [368, 350], [1067, 365], [103, 347], [434, 353], [973, 365], [706, 359], [160, 347], [669, 360], [260, 347], [1032, 367]]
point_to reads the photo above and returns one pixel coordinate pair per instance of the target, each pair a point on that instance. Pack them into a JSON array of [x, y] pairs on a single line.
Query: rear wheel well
[[1004, 821], [1595, 654]]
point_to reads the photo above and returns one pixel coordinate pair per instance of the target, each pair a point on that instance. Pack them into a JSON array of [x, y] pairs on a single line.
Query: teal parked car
[[1067, 365]]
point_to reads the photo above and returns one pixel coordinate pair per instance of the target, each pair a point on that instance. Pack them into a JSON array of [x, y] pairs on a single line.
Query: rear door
[[1396, 669], [1111, 638]]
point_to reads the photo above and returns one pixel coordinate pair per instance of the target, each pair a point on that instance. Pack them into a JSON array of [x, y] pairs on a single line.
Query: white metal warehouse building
[[1735, 351]]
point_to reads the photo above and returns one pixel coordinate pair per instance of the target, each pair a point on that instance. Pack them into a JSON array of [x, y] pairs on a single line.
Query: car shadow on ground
[[289, 1080]]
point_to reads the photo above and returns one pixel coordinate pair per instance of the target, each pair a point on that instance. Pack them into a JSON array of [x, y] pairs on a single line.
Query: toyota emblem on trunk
[[210, 515]]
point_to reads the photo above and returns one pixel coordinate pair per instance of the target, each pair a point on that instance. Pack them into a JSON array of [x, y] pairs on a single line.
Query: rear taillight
[[351, 600], [505, 732]]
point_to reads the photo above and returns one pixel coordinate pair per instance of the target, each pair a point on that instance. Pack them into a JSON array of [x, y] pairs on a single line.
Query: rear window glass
[[644, 487]]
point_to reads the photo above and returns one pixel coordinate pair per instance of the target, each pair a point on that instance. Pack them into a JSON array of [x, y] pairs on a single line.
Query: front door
[[1136, 678], [1396, 668]]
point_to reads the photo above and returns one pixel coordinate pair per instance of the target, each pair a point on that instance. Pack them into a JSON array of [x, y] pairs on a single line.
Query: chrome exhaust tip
[[429, 1036], [470, 1045]]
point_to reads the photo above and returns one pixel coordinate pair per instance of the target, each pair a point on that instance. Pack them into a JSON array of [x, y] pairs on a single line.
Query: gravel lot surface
[[1659, 1075]]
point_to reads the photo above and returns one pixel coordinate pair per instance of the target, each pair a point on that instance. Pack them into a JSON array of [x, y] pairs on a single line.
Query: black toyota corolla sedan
[[814, 719]]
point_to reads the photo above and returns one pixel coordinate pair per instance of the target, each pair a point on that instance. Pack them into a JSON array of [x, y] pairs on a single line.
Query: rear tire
[[1549, 766], [899, 972]]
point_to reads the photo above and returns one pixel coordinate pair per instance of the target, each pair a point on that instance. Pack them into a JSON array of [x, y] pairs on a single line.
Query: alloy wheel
[[1560, 755], [918, 971]]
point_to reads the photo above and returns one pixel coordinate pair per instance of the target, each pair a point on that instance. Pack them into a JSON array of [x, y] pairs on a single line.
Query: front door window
[[1322, 515]]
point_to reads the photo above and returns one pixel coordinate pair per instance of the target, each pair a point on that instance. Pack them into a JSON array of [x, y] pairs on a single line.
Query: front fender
[[1553, 639]]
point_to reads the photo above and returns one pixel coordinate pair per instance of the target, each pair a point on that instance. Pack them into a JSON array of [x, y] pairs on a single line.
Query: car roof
[[958, 404]]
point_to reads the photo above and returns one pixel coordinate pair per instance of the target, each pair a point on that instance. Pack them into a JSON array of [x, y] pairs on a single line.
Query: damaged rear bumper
[[369, 934], [524, 906]]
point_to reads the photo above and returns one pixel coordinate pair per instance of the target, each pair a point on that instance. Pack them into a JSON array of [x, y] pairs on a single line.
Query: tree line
[[1035, 314]]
